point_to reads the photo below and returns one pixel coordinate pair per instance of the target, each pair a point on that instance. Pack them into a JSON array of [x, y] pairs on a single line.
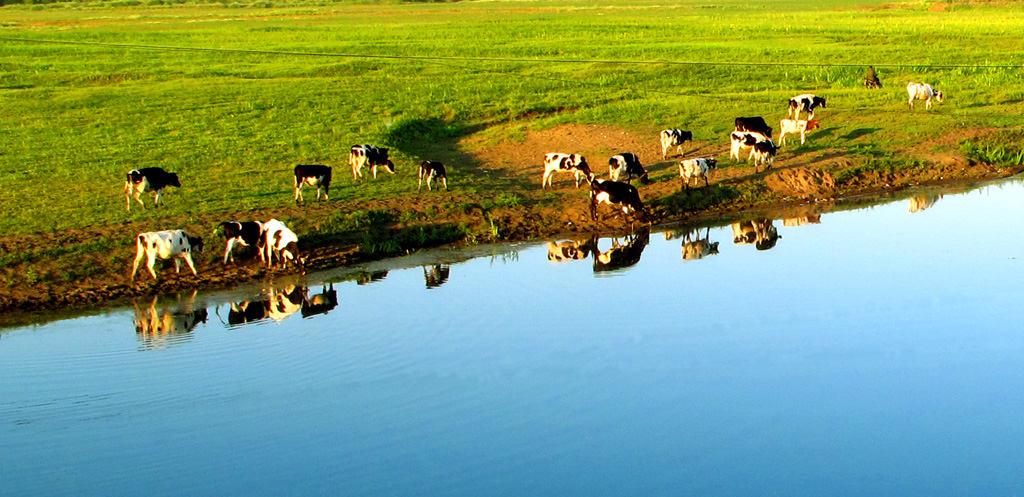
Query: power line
[[499, 59]]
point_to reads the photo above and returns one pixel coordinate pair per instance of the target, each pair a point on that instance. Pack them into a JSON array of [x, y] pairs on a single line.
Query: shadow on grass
[[859, 132]]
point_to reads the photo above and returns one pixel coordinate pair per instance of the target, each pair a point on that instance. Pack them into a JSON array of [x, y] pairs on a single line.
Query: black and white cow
[[764, 154], [806, 102], [313, 175], [696, 168], [753, 125], [170, 244], [674, 138], [320, 303], [566, 163], [431, 171], [572, 250], [617, 194], [147, 179], [923, 91], [738, 140], [627, 164], [280, 242], [361, 155], [244, 233], [248, 311]]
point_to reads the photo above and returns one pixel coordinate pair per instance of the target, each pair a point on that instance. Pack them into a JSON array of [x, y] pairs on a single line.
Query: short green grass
[[233, 123]]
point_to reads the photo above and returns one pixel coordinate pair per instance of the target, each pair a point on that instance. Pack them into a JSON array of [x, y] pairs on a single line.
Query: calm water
[[863, 352]]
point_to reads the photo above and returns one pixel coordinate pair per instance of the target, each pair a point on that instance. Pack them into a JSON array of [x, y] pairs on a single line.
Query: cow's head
[[172, 180], [940, 96], [389, 166], [813, 124], [712, 163], [821, 102], [195, 243], [644, 180]]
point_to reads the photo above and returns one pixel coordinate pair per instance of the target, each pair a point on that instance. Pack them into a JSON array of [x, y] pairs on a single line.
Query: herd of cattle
[[275, 241]]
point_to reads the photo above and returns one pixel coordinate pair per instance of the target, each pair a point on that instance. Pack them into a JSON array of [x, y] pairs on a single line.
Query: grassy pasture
[[234, 122]]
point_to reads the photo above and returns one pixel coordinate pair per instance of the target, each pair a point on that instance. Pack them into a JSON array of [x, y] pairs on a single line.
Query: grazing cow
[[674, 138], [806, 103], [622, 256], [245, 233], [753, 125], [170, 244], [320, 303], [761, 233], [923, 91], [573, 250], [312, 175], [618, 194], [699, 248], [764, 154], [566, 163], [360, 155], [696, 168], [627, 163], [147, 179], [432, 171], [154, 327], [436, 275], [281, 242], [792, 126], [738, 140]]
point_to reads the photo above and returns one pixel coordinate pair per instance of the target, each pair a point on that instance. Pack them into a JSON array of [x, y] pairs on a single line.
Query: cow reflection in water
[[922, 202], [277, 305], [762, 234], [698, 248], [366, 278], [321, 303], [622, 255], [158, 328], [572, 250], [802, 220], [436, 275]]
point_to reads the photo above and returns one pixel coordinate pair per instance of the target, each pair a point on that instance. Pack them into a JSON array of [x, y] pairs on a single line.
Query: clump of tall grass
[[1001, 149]]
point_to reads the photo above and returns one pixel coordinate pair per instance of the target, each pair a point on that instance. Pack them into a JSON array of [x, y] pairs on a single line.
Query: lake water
[[871, 351]]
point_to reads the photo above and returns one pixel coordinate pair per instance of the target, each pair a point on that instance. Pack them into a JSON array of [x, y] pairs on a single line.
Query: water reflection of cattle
[[277, 306], [154, 326], [922, 202], [572, 250], [762, 234], [622, 255], [320, 303], [365, 278], [700, 247], [801, 221], [436, 275]]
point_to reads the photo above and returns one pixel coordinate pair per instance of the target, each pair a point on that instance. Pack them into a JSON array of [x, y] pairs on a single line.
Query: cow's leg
[[138, 198], [373, 170], [229, 249], [327, 190], [128, 196], [151, 262], [188, 260], [444, 179], [139, 255], [177, 265], [706, 181]]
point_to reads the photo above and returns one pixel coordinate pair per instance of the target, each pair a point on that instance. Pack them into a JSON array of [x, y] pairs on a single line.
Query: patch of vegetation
[[344, 224], [696, 199], [1004, 148], [395, 242], [887, 165]]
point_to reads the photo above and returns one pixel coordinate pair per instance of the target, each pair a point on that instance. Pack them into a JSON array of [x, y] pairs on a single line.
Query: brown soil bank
[[83, 267]]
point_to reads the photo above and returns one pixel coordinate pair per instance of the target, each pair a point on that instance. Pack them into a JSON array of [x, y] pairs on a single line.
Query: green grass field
[[278, 89]]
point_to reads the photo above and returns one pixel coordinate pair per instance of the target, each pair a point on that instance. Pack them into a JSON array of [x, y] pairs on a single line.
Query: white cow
[[923, 91], [793, 126], [281, 242], [170, 244], [696, 168]]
